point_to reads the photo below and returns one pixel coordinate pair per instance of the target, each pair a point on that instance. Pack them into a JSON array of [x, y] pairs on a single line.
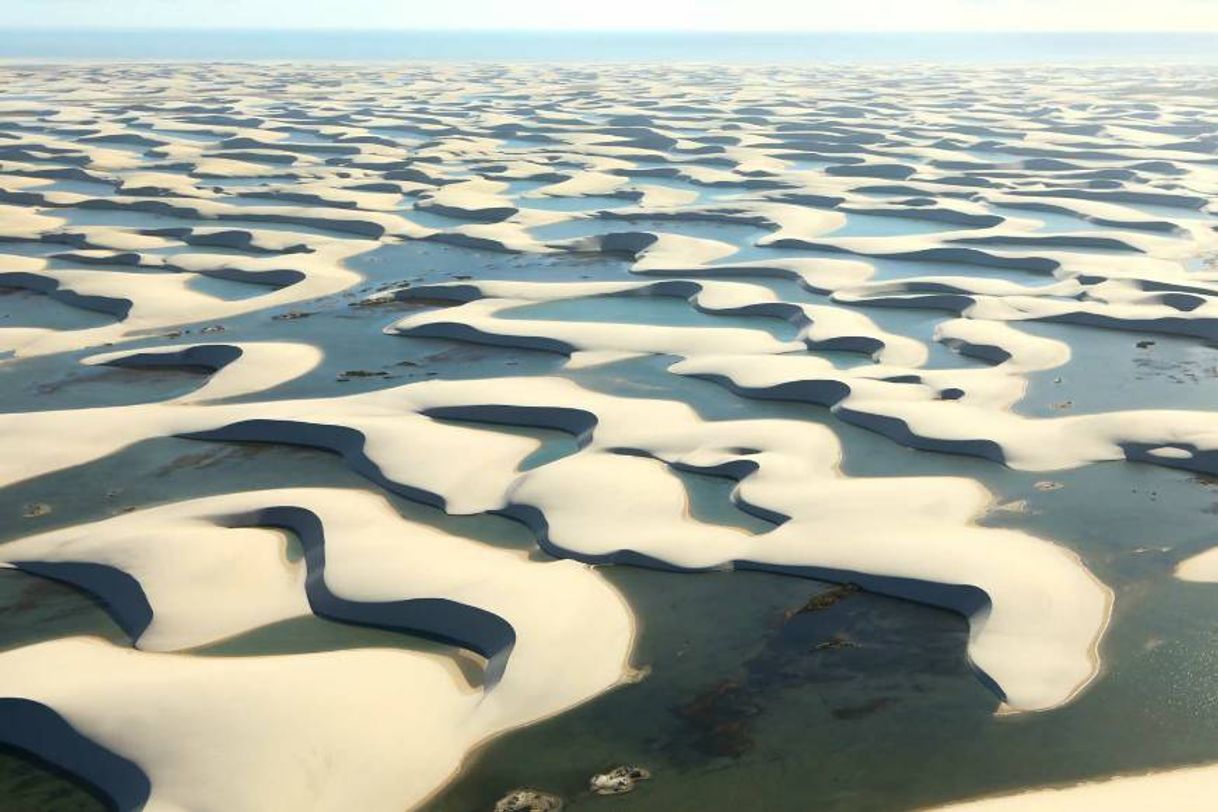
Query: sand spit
[[886, 260], [1187, 790]]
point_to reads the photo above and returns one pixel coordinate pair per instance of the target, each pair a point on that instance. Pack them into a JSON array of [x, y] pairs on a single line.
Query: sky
[[634, 15]]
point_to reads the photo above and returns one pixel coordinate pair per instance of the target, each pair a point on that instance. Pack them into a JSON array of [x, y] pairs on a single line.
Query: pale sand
[[1187, 790]]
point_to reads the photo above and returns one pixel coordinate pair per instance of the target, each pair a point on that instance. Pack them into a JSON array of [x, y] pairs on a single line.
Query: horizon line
[[656, 31]]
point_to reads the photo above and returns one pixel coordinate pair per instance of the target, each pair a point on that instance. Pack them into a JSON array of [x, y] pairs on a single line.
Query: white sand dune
[[1186, 790], [210, 569], [1037, 613]]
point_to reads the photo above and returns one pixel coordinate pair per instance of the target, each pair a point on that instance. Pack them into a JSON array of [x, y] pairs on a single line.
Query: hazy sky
[[765, 15]]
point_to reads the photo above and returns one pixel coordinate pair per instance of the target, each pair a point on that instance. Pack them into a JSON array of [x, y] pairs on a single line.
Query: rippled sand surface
[[378, 437]]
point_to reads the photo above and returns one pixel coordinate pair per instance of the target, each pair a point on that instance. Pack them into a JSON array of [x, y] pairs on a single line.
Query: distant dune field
[[364, 416]]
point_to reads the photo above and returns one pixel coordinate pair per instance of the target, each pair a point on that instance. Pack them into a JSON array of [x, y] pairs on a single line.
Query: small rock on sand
[[837, 641], [35, 510], [825, 599], [617, 781], [528, 800], [361, 373]]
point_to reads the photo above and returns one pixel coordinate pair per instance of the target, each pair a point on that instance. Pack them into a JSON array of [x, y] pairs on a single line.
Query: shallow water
[[657, 310]]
